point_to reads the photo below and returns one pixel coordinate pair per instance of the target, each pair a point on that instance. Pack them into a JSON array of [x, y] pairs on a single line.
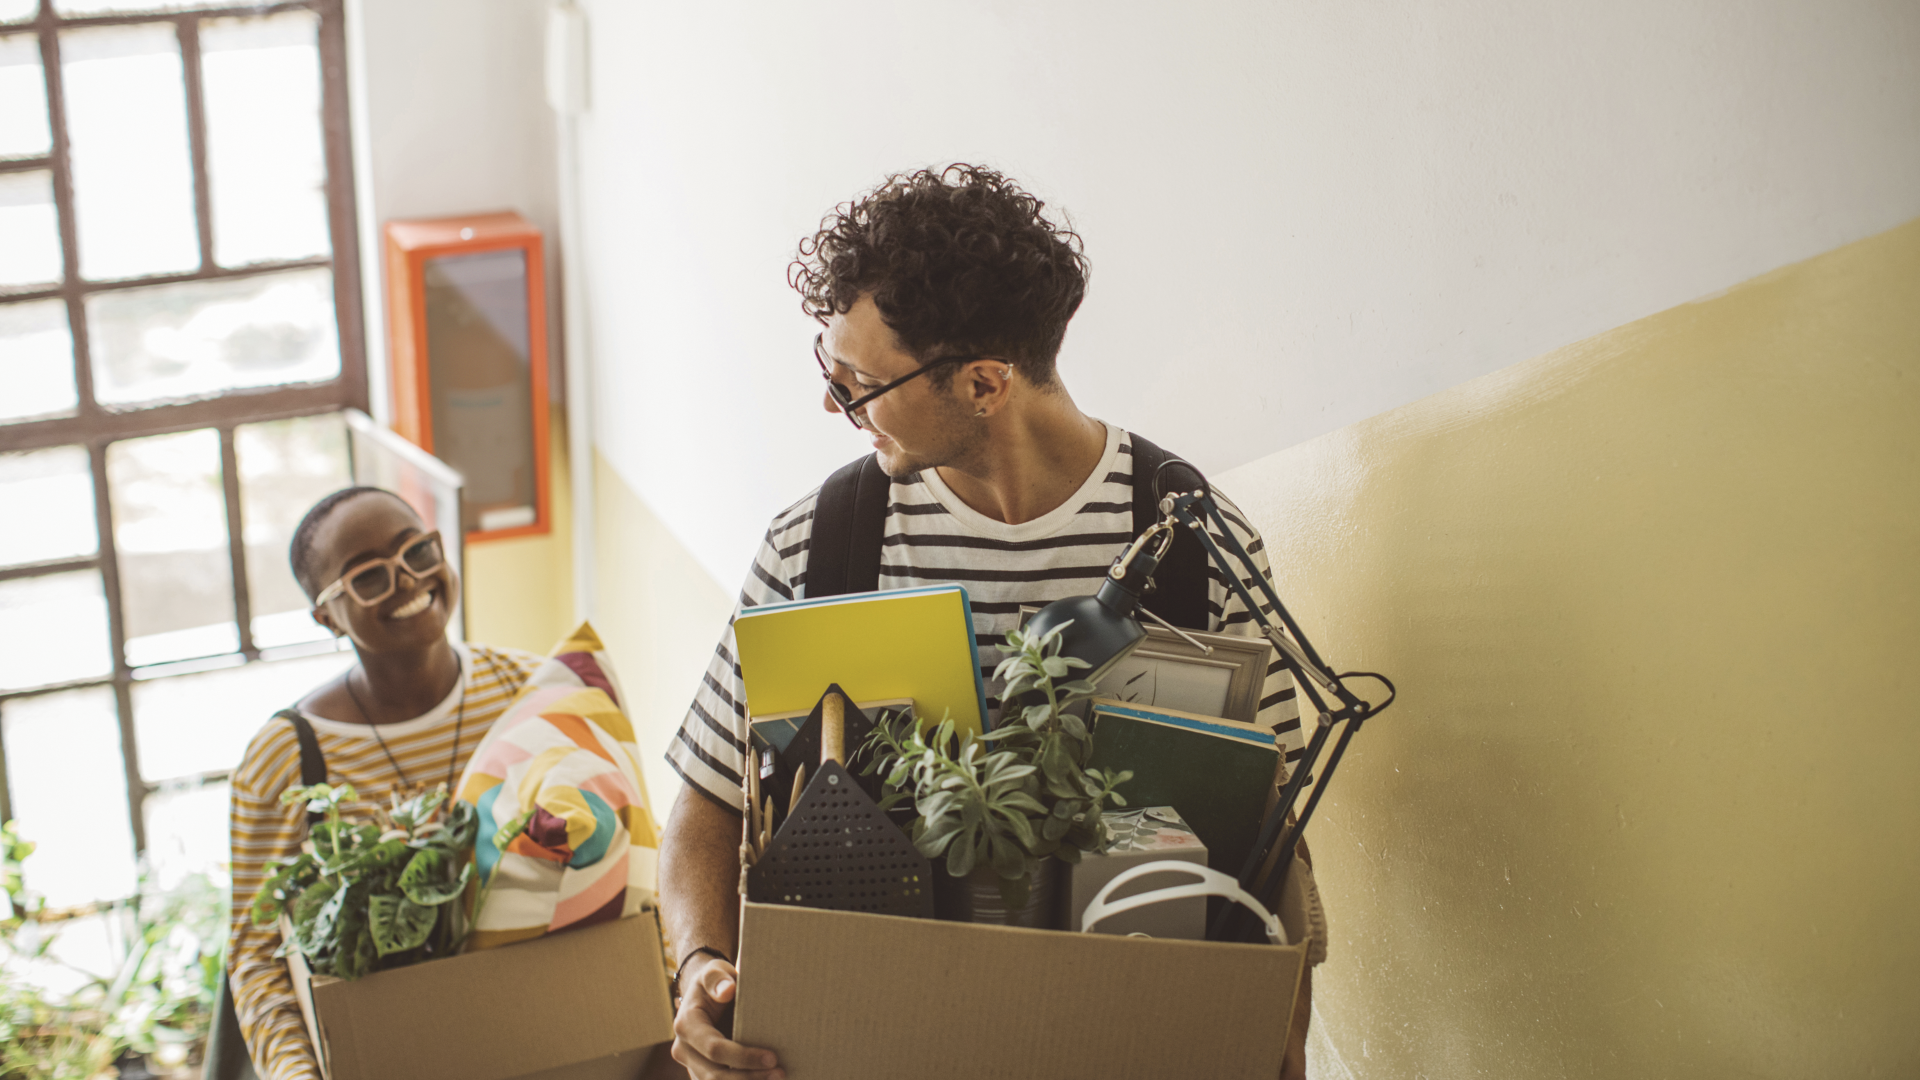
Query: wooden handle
[[833, 729]]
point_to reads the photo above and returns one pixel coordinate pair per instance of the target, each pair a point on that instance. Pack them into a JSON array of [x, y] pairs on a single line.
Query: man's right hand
[[706, 992]]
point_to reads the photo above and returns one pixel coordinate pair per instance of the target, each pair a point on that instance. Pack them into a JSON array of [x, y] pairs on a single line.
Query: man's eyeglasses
[[374, 580], [844, 397]]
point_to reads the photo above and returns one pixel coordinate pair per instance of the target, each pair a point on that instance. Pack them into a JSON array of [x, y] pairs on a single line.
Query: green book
[[1217, 773]]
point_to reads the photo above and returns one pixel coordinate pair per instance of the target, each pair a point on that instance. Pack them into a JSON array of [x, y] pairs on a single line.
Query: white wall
[[1298, 215], [449, 117]]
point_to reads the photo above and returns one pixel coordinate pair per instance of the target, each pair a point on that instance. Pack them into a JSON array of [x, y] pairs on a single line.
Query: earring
[[982, 412]]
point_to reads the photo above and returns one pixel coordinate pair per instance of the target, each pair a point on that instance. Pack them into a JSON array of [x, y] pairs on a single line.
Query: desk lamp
[[1102, 629]]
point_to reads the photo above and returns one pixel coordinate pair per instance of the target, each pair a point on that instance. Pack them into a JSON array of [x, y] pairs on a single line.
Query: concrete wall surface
[[1299, 215], [1645, 806], [450, 117]]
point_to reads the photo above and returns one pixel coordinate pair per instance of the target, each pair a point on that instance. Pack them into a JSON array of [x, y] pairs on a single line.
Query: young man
[[944, 297]]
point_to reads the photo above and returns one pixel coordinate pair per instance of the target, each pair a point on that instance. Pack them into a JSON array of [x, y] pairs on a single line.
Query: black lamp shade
[[1102, 631]]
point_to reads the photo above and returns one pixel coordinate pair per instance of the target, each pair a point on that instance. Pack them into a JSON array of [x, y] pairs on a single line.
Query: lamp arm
[[1265, 582], [1298, 649], [1269, 891]]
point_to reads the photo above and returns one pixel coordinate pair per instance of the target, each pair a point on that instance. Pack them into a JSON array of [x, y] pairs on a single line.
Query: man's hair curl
[[959, 261]]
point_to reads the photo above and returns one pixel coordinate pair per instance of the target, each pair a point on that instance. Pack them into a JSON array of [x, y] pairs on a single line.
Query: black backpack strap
[[226, 1055], [1179, 592], [849, 522], [313, 764]]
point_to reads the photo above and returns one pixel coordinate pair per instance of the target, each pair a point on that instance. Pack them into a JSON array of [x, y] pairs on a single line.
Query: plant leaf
[[433, 894], [308, 902], [399, 924], [960, 858], [939, 831], [1027, 804], [1021, 828]]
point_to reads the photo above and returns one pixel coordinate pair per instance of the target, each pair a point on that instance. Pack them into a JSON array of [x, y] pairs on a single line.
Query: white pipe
[[567, 94]]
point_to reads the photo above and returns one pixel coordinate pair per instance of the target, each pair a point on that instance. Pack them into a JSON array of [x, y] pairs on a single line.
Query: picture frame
[[1169, 672]]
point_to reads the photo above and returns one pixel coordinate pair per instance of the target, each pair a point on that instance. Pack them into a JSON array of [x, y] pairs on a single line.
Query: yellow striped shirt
[[265, 831]]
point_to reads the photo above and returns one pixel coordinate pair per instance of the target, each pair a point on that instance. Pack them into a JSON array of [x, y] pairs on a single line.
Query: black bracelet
[[673, 984]]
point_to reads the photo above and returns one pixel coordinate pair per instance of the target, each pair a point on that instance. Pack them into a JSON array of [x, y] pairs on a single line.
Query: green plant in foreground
[[156, 999], [361, 897], [1019, 793]]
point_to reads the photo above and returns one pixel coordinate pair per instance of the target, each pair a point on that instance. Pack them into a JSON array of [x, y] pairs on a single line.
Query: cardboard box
[[578, 1005], [1147, 834], [851, 996]]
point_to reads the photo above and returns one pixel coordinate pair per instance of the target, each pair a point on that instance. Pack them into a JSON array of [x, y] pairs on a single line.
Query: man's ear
[[988, 385]]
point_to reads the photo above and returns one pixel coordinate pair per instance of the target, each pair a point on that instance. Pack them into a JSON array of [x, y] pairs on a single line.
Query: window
[[179, 334]]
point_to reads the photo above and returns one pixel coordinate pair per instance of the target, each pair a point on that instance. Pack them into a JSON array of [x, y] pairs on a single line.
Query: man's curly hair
[[959, 261]]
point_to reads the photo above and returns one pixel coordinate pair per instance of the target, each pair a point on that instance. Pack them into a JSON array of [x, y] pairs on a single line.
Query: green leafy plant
[[1014, 795], [60, 1021], [363, 897]]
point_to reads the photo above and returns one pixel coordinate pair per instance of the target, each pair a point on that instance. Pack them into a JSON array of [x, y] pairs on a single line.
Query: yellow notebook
[[903, 643]]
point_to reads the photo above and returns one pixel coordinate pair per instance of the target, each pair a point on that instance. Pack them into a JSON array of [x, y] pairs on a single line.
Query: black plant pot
[[976, 897]]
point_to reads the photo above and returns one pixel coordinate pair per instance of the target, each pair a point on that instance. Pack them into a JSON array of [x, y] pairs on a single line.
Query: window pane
[[264, 161], [202, 337], [285, 467], [477, 354], [74, 9], [187, 834], [36, 361], [127, 129], [191, 724], [18, 10], [58, 485], [23, 94], [170, 529], [55, 628], [69, 791], [29, 230]]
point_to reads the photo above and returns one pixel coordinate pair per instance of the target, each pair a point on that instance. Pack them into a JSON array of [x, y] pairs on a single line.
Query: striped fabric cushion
[[562, 766]]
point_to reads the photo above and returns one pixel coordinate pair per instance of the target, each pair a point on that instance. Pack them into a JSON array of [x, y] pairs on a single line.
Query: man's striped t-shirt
[[932, 537]]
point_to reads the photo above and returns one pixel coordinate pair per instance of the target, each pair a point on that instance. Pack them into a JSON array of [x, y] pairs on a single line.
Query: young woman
[[406, 716]]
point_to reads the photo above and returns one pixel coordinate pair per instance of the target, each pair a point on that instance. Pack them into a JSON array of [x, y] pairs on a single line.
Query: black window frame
[[96, 427]]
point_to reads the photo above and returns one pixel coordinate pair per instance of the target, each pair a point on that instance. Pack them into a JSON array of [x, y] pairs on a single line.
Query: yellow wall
[[659, 614], [657, 611], [1647, 805], [519, 592]]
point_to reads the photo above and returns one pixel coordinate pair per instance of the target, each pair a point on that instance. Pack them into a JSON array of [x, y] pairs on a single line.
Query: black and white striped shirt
[[932, 537]]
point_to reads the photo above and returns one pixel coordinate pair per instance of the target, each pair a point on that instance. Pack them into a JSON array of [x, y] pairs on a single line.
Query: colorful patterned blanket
[[567, 837]]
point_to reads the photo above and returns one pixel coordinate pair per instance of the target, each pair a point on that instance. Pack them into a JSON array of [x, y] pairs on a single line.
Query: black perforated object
[[837, 850]]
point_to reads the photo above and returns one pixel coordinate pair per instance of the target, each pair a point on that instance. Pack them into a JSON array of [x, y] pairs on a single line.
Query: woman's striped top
[[265, 831], [932, 537]]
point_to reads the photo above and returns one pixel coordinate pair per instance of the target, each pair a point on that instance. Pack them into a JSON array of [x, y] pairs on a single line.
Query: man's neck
[[1036, 455]]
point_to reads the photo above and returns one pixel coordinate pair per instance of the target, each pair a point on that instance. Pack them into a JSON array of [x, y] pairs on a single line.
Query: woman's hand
[[706, 993]]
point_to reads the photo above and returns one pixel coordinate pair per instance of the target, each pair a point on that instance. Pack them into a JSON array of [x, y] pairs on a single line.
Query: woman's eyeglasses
[[374, 580], [844, 397]]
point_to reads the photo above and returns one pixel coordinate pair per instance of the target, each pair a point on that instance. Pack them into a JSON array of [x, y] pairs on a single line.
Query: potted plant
[[1005, 803], [369, 896], [146, 1014]]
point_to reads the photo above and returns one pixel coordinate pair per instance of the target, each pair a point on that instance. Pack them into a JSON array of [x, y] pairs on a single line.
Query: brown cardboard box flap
[[576, 998], [850, 996]]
